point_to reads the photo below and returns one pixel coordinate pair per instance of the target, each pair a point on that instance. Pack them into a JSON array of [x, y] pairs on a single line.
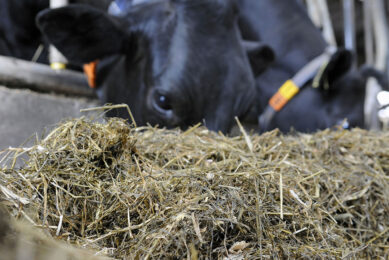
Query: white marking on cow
[[178, 51], [136, 2], [115, 8]]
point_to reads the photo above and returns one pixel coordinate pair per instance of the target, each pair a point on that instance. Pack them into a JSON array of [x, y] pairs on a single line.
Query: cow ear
[[260, 56], [340, 63], [82, 33]]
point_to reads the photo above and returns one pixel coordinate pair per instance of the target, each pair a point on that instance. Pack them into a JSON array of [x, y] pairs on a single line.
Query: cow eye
[[162, 101]]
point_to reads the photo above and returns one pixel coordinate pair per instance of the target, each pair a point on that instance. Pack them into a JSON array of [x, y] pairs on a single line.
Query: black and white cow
[[340, 89], [174, 62], [19, 35]]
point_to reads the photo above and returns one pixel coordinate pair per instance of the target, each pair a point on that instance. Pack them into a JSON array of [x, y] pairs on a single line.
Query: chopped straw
[[147, 193], [21, 241]]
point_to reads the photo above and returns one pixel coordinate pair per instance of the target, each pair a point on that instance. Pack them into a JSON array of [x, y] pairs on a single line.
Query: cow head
[[174, 62]]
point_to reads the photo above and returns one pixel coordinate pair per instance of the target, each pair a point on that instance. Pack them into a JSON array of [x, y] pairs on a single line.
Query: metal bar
[[57, 60], [380, 33], [368, 30], [349, 24], [328, 31], [313, 12], [379, 22], [39, 77]]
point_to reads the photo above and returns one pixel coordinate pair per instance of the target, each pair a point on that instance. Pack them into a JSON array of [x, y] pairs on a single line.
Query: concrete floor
[[25, 114]]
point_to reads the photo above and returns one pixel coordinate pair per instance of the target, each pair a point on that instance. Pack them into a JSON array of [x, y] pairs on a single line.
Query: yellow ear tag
[[285, 93], [58, 66]]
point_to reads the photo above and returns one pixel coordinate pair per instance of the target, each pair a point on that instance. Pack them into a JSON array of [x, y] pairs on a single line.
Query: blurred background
[[34, 96]]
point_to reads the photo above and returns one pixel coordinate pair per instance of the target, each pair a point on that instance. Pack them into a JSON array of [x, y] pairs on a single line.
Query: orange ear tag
[[90, 72]]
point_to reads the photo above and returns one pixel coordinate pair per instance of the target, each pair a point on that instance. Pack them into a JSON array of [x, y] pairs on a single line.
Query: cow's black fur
[[19, 35], [174, 62], [287, 29]]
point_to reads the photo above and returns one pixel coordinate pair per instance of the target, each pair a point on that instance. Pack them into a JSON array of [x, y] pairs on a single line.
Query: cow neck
[[289, 89], [286, 27]]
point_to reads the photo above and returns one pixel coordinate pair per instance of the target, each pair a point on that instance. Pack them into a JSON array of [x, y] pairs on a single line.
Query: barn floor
[[24, 113]]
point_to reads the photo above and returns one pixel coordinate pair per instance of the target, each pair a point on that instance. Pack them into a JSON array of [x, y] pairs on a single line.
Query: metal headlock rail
[[376, 48], [57, 60], [17, 73]]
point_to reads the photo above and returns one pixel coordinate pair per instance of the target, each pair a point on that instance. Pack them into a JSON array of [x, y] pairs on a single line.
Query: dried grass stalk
[[19, 241], [148, 193]]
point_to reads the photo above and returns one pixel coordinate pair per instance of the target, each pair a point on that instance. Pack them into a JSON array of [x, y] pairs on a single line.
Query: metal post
[[320, 16], [328, 31], [57, 60], [313, 12], [368, 30], [349, 24], [378, 19], [380, 32]]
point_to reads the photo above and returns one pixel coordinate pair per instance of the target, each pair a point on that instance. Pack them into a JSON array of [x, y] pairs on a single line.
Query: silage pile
[[148, 193], [20, 241]]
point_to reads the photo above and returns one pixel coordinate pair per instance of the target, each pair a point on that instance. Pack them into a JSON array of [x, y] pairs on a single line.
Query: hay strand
[[147, 193]]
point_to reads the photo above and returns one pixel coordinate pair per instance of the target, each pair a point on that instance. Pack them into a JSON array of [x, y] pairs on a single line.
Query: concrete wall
[[24, 113]]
